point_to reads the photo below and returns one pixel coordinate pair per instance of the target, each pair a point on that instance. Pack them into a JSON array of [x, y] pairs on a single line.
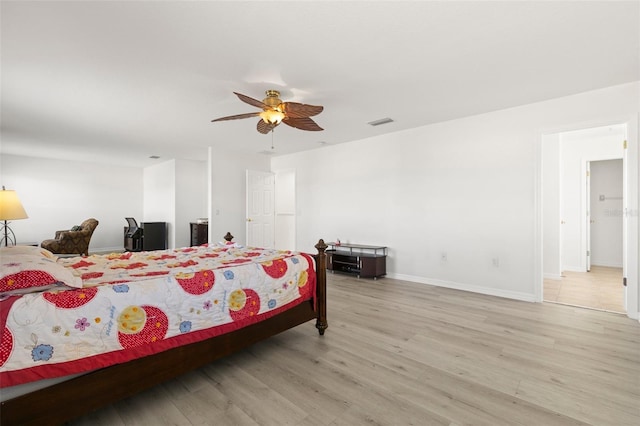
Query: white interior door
[[260, 209]]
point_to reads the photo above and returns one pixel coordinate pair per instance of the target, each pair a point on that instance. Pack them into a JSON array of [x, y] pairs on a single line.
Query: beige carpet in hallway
[[601, 288]]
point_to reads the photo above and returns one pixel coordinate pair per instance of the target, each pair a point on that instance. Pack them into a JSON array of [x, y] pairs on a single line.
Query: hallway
[[601, 288]]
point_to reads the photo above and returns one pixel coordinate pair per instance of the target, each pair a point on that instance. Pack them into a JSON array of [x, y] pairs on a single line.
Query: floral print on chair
[[72, 242]]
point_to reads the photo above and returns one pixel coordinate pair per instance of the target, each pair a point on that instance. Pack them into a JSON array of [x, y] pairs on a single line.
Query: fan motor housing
[[272, 99]]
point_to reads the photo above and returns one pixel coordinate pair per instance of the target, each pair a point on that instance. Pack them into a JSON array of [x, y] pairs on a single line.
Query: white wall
[[227, 189], [468, 188], [175, 192], [577, 148], [551, 222], [606, 230], [460, 188], [159, 196], [191, 198], [285, 214], [59, 194]]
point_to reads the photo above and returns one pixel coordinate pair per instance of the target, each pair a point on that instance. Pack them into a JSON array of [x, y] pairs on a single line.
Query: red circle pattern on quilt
[[154, 329], [276, 268], [26, 279], [197, 283], [7, 345], [71, 299], [243, 303]]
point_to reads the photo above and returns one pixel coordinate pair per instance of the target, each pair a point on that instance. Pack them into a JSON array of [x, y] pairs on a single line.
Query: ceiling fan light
[[272, 117]]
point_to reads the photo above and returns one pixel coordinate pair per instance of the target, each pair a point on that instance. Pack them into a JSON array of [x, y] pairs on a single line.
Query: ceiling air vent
[[381, 121]]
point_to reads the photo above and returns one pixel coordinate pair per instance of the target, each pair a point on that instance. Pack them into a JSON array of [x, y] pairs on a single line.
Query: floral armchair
[[73, 241]]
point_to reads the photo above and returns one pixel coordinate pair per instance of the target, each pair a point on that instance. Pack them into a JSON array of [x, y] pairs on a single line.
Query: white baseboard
[[606, 264], [526, 297], [552, 276], [580, 269], [105, 250], [573, 269]]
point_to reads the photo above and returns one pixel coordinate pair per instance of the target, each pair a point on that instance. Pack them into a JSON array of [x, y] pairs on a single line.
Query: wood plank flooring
[[601, 288], [401, 353]]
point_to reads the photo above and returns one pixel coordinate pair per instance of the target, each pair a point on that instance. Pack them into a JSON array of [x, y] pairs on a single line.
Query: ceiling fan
[[274, 112]]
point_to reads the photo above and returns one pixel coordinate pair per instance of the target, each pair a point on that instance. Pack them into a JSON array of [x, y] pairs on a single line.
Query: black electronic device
[[133, 228]]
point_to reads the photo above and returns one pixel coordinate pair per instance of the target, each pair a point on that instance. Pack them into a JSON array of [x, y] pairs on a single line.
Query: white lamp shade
[[10, 206]]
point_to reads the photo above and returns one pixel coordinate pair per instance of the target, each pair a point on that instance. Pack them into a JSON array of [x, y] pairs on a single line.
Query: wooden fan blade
[[251, 101], [265, 128], [236, 117], [304, 123], [298, 110]]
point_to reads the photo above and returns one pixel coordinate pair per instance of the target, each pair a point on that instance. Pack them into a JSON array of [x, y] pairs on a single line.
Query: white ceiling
[[117, 82]]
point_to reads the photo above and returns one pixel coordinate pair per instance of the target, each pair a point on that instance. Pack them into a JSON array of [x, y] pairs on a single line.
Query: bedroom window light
[[10, 209]]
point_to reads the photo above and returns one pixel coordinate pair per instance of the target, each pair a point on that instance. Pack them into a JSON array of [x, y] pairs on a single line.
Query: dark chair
[[72, 241]]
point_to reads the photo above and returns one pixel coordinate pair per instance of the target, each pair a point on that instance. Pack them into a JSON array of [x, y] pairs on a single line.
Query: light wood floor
[[601, 288], [400, 353]]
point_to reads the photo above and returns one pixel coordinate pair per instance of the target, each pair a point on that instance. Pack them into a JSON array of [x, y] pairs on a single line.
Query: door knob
[[249, 219]]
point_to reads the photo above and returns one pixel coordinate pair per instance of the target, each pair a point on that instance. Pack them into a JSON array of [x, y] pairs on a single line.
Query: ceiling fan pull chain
[[272, 138]]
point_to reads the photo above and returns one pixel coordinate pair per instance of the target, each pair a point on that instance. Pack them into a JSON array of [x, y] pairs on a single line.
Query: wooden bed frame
[[81, 395]]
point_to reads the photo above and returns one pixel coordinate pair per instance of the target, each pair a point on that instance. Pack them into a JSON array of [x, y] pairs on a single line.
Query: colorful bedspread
[[136, 304]]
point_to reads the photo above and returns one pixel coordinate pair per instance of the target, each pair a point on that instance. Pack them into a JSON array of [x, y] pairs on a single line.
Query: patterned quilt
[[135, 304]]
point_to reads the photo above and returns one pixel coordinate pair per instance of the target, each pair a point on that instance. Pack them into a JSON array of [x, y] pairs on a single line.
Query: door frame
[[586, 213], [630, 189], [587, 207]]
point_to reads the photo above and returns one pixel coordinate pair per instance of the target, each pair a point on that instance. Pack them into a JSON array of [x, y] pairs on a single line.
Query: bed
[[149, 317]]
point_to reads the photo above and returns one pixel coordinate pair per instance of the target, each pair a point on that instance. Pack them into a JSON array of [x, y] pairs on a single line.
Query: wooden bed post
[[321, 287]]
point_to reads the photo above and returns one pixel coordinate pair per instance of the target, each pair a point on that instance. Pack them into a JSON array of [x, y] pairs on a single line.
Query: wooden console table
[[363, 260]]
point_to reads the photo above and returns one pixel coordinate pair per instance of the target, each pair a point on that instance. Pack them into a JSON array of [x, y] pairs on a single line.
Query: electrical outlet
[[496, 262], [443, 256]]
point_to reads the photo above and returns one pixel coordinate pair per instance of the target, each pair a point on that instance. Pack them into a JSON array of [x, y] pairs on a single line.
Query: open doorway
[[583, 204]]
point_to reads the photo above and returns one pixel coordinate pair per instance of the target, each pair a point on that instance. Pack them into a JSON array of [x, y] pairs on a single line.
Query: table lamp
[[10, 209]]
